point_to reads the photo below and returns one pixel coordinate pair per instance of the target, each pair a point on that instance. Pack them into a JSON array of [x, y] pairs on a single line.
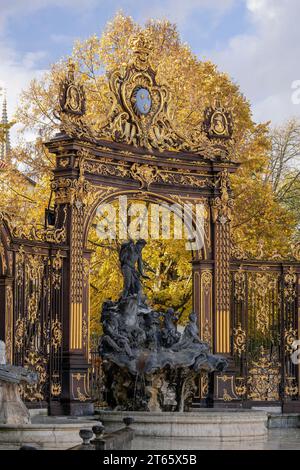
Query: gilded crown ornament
[[141, 46]]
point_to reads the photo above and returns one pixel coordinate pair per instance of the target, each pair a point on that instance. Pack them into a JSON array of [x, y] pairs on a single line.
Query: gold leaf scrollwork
[[290, 336], [222, 205], [239, 340], [36, 362], [86, 272], [237, 252], [9, 324], [240, 285], [261, 285], [204, 384], [33, 307], [240, 386], [264, 378], [296, 251], [290, 280], [207, 336], [19, 333], [145, 174], [3, 258], [55, 389], [57, 264], [140, 114], [291, 387], [226, 396], [56, 334]]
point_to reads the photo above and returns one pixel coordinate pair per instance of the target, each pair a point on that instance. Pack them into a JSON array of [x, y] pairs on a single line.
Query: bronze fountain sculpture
[[148, 364]]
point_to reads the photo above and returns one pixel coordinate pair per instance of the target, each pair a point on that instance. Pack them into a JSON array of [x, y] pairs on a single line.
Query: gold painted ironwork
[[240, 386], [225, 388], [19, 333], [290, 335], [9, 323], [264, 378], [57, 264], [291, 388], [72, 96], [218, 123], [239, 340], [296, 251], [206, 306], [55, 389], [221, 216], [204, 385], [35, 361], [240, 285], [56, 336], [290, 279], [3, 259], [262, 285], [152, 129], [145, 174], [79, 387]]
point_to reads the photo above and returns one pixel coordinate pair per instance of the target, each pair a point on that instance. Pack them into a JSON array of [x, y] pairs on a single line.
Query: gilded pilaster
[[221, 216]]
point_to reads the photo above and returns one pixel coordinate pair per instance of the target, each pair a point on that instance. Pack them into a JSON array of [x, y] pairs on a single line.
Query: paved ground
[[278, 439]]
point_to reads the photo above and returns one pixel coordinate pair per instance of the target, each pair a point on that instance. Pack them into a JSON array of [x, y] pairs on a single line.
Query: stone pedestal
[[12, 409]]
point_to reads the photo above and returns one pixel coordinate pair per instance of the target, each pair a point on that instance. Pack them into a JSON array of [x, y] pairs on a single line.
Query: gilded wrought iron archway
[[173, 204], [136, 151]]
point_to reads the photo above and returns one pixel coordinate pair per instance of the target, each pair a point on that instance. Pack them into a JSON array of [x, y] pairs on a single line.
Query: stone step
[[284, 421]]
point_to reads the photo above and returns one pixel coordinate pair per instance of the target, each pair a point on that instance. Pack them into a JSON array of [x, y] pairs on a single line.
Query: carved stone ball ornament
[[72, 96]]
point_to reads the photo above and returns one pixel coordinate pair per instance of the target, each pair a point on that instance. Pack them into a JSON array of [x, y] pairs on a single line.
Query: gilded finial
[[71, 70]]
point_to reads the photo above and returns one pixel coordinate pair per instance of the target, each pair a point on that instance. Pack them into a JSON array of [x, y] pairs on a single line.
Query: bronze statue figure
[[132, 268]]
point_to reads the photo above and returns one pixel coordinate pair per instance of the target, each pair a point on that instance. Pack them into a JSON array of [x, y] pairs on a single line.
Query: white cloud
[[16, 74], [265, 62], [181, 11]]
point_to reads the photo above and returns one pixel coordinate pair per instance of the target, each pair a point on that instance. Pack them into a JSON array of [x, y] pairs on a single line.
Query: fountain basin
[[203, 424], [45, 432]]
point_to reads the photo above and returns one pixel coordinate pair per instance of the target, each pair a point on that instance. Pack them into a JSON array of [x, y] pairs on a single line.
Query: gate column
[[70, 191], [221, 217], [223, 388]]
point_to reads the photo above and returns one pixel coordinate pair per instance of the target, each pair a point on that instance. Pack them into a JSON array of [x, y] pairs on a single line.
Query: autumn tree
[[194, 84], [284, 165]]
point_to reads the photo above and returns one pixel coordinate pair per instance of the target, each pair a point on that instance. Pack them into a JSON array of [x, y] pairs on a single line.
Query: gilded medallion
[[141, 101]]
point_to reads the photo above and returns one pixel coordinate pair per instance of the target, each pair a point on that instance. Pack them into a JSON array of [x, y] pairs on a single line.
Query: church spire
[[5, 146]]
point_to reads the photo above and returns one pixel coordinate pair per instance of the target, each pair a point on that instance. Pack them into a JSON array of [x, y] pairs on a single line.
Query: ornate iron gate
[[265, 326], [32, 289]]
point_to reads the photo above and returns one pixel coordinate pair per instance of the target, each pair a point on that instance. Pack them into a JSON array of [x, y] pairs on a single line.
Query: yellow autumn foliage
[[259, 220]]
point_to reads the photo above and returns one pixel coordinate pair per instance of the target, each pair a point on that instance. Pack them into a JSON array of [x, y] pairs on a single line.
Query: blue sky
[[255, 41]]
